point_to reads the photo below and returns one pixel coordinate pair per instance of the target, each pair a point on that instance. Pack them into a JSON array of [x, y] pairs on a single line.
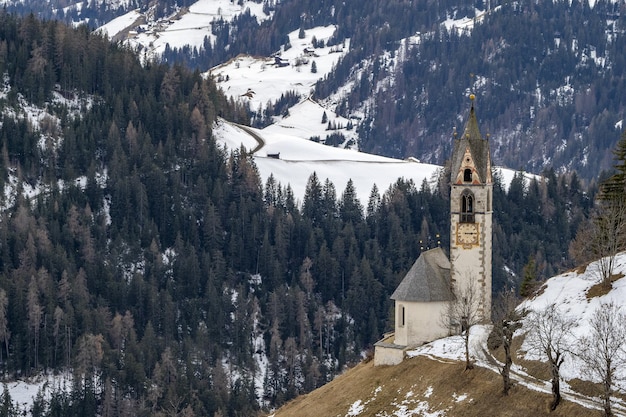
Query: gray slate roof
[[427, 280]]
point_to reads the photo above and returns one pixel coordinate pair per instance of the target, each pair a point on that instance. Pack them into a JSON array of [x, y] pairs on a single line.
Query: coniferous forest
[[159, 271], [551, 75]]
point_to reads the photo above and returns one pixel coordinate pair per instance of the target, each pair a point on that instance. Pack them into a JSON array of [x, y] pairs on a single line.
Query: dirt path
[[519, 376], [259, 140]]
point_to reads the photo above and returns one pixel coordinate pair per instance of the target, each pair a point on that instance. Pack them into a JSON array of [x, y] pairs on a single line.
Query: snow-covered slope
[[188, 27], [295, 159], [299, 158], [260, 81], [569, 292]]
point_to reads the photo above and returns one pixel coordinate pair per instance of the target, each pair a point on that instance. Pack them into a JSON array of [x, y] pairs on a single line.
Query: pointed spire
[[471, 145], [471, 128]]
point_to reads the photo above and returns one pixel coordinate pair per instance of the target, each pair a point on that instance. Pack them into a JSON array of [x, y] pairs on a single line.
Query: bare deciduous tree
[[89, 358], [463, 313], [603, 350], [550, 335], [602, 237], [505, 321]]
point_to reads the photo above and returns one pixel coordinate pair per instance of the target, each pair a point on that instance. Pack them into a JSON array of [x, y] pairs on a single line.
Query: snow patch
[[356, 408]]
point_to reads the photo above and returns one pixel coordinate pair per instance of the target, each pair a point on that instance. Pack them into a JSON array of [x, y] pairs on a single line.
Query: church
[[424, 295]]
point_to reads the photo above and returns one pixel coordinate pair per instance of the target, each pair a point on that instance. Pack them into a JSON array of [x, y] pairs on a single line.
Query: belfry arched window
[[467, 175], [467, 207]]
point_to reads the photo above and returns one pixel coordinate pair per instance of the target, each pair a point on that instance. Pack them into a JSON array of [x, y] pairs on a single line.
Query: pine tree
[[615, 186], [7, 409], [350, 207], [5, 332], [529, 280]]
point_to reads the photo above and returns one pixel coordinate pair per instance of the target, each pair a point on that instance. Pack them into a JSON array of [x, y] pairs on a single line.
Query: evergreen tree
[[529, 280]]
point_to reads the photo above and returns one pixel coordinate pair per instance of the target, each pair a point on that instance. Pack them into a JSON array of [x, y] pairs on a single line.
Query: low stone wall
[[388, 353]]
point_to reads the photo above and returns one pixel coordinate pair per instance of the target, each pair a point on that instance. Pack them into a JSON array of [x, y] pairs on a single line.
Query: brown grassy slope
[[448, 380]]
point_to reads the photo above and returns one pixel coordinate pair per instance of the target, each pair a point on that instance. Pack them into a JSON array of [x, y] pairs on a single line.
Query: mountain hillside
[[163, 273], [433, 381], [551, 74], [423, 386]]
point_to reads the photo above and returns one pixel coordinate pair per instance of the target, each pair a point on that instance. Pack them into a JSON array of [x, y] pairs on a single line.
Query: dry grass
[[418, 375], [587, 388], [600, 289], [539, 291], [581, 269]]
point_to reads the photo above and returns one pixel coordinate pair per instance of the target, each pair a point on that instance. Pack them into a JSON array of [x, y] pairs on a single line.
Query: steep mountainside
[[162, 275], [551, 74]]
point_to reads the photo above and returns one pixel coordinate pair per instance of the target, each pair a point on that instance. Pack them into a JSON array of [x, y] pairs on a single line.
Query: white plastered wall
[[423, 322]]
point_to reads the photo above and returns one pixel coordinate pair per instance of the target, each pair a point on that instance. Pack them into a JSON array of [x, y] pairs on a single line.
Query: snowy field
[[23, 392], [299, 158], [188, 27]]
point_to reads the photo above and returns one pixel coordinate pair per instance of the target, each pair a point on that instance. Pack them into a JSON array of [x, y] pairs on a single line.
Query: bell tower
[[471, 211]]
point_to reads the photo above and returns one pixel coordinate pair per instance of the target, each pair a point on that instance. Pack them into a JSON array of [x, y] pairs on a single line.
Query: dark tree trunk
[[468, 362], [506, 369], [556, 391], [608, 382], [555, 366]]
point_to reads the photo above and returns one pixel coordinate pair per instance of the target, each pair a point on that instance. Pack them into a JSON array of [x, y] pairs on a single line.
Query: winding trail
[[518, 375], [258, 138]]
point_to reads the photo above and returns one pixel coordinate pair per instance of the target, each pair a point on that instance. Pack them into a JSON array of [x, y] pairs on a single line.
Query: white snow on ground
[[568, 291], [268, 81], [299, 158], [120, 23], [464, 24], [23, 392], [305, 121], [259, 81], [356, 408], [189, 27]]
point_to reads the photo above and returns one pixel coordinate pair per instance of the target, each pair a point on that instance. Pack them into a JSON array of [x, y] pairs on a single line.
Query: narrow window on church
[[467, 175], [467, 207], [401, 318]]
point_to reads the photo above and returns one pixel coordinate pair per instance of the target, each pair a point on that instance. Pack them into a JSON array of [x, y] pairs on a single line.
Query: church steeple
[[433, 282], [471, 193], [471, 151]]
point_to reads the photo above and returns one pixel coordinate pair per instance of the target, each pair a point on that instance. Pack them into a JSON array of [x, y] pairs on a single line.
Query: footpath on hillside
[[452, 348], [258, 138]]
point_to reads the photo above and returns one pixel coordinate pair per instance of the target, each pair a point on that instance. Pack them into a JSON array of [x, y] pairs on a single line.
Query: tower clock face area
[[467, 235]]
